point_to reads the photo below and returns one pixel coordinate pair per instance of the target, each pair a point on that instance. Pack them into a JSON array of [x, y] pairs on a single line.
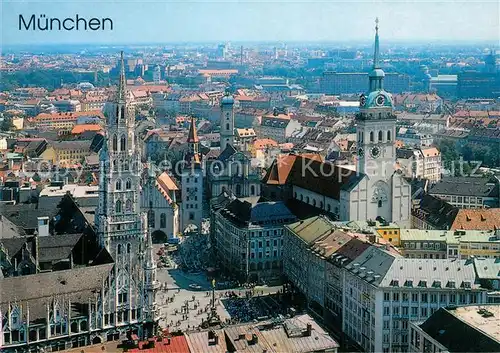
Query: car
[[194, 286]]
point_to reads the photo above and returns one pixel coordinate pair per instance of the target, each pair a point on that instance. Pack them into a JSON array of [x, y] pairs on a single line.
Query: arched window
[[128, 248], [163, 220], [379, 203], [388, 135], [128, 184], [314, 202], [380, 137], [361, 136], [307, 199], [371, 136], [118, 206], [123, 143], [118, 185], [123, 113], [227, 126], [125, 165], [115, 143], [115, 165], [128, 206], [252, 190], [119, 250]]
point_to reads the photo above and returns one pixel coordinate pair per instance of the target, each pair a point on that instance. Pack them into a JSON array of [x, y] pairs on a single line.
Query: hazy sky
[[162, 21]]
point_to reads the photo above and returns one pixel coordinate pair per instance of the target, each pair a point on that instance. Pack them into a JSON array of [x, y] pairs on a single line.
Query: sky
[[167, 21]]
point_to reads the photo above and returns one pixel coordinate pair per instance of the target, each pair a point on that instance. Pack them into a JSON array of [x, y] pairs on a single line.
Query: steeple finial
[[122, 83], [377, 53]]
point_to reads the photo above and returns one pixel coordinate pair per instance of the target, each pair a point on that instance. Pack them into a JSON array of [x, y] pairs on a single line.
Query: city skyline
[[208, 21]]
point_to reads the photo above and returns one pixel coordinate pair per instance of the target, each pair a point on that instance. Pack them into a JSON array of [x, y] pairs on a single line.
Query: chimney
[[255, 339], [308, 329], [43, 226]]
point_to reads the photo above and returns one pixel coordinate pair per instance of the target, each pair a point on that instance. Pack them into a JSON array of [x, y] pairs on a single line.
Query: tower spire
[[376, 54], [122, 83], [193, 134]]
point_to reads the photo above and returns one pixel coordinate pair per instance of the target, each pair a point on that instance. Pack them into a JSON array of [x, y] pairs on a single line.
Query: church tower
[[192, 181], [227, 122], [121, 228], [376, 127]]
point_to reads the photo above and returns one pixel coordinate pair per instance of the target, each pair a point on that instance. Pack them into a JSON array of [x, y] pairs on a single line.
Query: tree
[[7, 124]]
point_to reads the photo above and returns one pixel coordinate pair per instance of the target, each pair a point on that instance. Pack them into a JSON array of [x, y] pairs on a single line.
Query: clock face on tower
[[375, 152], [361, 152], [380, 100], [362, 100]]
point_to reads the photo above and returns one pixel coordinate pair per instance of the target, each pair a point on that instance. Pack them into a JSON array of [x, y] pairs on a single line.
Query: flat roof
[[471, 315]]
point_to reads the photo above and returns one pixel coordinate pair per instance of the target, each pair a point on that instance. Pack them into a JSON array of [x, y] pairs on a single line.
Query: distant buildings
[[348, 83], [478, 84], [468, 192], [278, 127], [444, 85], [423, 163]]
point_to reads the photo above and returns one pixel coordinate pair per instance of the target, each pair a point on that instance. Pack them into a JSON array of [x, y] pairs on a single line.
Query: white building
[[383, 293], [192, 182], [159, 199]]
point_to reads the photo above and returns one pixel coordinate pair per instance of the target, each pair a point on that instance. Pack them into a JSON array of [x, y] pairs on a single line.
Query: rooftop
[[465, 328]]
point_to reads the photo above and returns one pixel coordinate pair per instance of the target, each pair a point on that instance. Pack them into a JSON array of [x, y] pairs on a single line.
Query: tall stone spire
[[376, 55], [122, 83]]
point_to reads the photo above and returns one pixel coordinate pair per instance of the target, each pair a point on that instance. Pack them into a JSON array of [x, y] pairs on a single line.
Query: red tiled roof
[[177, 344], [477, 219], [78, 129]]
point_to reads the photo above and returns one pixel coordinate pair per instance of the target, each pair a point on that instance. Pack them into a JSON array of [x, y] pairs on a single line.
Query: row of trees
[[453, 155]]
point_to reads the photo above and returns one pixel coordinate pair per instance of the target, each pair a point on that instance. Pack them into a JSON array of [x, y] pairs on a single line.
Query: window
[[119, 249], [388, 135], [118, 185], [252, 190], [123, 143], [371, 136], [379, 203], [128, 206], [423, 312], [128, 248], [227, 126], [118, 206], [395, 296], [442, 298], [414, 297], [380, 138], [163, 220], [387, 297], [405, 311], [115, 143], [405, 297], [191, 216], [128, 184], [386, 311], [423, 297], [386, 324], [151, 218]]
